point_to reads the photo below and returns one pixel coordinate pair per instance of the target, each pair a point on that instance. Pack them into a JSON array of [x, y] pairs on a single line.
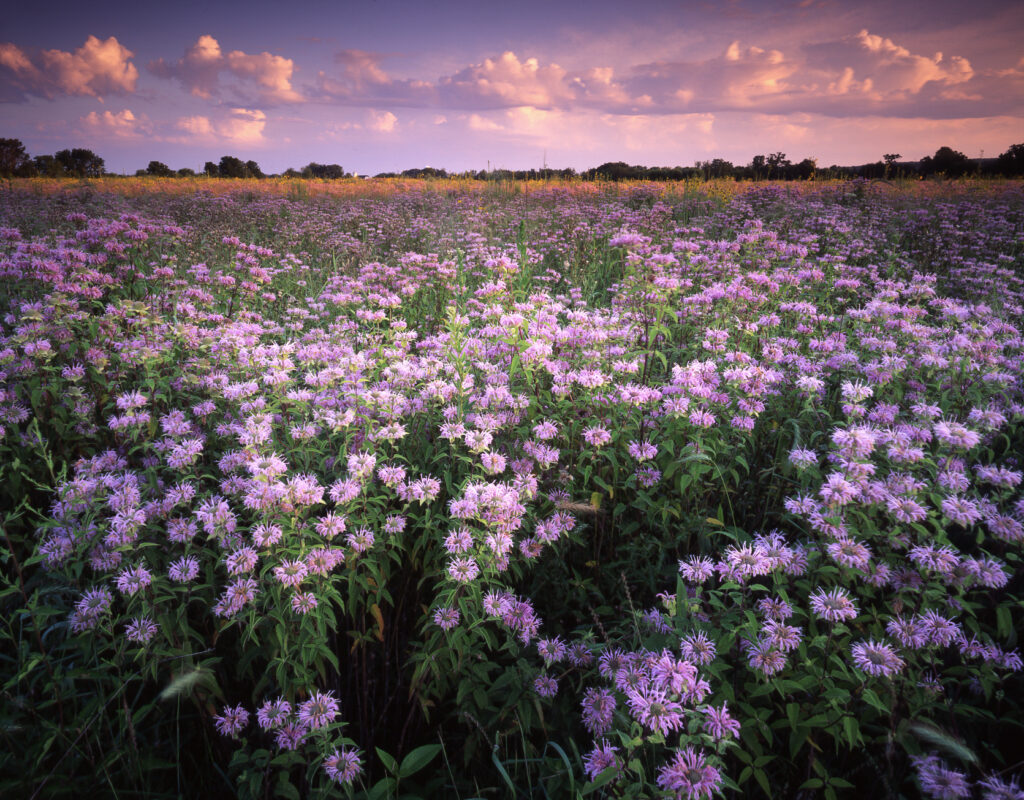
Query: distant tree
[[431, 172], [716, 168], [759, 166], [1011, 163], [615, 171], [159, 169], [946, 161], [80, 163], [13, 158], [210, 169], [186, 172], [231, 167], [48, 166], [777, 163], [890, 162], [805, 170], [252, 170], [325, 171]]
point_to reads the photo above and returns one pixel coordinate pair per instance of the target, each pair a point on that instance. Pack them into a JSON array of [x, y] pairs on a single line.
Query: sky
[[387, 85]]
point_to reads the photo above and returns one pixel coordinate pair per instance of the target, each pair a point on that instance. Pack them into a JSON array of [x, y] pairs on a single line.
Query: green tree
[[159, 169], [231, 167], [211, 169], [80, 163], [806, 169], [252, 170], [13, 158], [759, 166], [946, 161], [1011, 163], [890, 162], [328, 171], [48, 166], [777, 163], [186, 172]]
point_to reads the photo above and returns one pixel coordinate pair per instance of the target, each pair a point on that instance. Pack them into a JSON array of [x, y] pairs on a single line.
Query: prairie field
[[424, 489]]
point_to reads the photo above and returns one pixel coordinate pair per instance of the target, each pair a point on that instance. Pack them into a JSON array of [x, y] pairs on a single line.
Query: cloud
[[95, 69], [199, 71], [361, 68], [884, 70], [862, 73], [507, 82], [243, 127], [382, 121], [479, 123], [122, 125], [362, 81]]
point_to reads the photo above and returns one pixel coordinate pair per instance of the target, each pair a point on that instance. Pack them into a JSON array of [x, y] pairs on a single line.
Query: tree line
[[947, 162]]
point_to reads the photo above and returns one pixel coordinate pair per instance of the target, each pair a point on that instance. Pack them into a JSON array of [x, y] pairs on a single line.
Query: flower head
[[343, 766], [689, 775]]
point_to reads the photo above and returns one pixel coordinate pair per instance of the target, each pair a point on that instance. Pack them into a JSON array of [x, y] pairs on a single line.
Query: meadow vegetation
[[449, 489]]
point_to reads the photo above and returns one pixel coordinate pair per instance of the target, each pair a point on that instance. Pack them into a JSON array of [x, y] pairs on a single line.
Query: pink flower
[[689, 775], [596, 436], [231, 720], [446, 618], [546, 686], [598, 709], [719, 723], [343, 766], [319, 711], [834, 606], [876, 658]]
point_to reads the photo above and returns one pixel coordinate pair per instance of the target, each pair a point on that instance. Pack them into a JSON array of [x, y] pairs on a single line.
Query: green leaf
[[285, 788], [1004, 621], [504, 773], [601, 780], [389, 762], [852, 731], [418, 759], [762, 778], [385, 787]]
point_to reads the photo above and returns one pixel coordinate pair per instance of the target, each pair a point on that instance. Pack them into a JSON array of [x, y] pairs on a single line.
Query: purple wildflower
[[719, 723], [833, 606], [446, 618], [343, 766], [689, 775], [318, 711], [231, 720], [876, 659]]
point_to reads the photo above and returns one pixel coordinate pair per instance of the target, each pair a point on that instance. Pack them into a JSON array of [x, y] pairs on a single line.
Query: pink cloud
[[243, 127], [382, 121], [507, 82], [121, 125], [862, 73], [882, 71], [362, 81], [199, 71], [361, 68], [95, 69]]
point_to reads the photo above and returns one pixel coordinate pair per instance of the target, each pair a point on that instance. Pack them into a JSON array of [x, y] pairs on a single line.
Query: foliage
[[434, 489]]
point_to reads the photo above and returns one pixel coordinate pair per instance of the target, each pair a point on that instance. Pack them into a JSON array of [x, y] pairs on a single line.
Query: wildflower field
[[446, 489]]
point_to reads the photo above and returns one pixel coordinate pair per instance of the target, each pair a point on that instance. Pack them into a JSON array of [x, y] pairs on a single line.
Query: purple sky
[[383, 85]]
